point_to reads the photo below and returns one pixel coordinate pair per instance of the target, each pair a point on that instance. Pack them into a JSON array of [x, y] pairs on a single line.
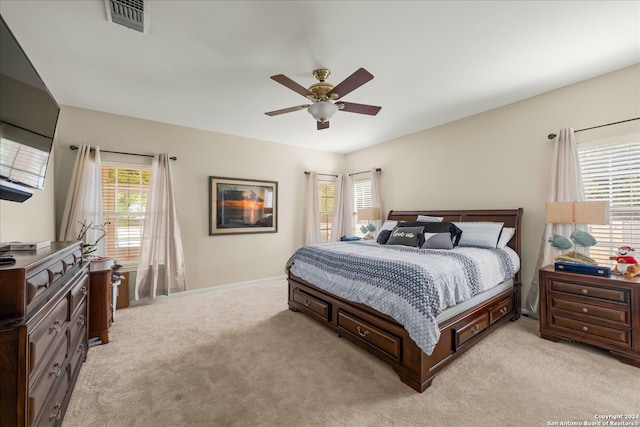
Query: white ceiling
[[206, 64]]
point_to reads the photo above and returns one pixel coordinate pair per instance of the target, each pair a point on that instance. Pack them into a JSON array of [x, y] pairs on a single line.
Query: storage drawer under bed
[[313, 304]]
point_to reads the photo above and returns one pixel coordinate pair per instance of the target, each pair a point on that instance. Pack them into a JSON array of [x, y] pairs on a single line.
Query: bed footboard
[[386, 339]]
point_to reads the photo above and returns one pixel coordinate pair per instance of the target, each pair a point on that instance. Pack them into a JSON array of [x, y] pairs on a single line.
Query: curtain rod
[[553, 135], [75, 147], [329, 174]]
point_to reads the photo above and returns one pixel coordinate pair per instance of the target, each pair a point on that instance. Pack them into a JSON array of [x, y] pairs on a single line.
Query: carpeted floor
[[238, 357]]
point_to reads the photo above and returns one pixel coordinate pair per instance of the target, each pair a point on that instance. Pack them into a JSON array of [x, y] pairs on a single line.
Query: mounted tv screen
[[28, 117]]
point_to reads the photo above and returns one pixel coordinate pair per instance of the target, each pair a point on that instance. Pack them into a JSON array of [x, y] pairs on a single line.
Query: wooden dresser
[[43, 333], [599, 311]]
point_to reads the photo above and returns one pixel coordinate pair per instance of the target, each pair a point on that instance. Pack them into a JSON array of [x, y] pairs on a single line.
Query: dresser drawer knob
[[585, 310], [361, 332], [56, 415], [307, 303], [57, 325], [56, 370], [475, 329], [585, 328], [585, 291]]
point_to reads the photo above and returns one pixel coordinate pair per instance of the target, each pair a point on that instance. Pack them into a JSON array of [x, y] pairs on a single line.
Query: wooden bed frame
[[386, 339]]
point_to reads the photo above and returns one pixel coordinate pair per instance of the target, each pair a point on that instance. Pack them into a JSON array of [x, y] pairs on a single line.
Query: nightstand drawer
[[595, 311], [602, 333], [615, 295]]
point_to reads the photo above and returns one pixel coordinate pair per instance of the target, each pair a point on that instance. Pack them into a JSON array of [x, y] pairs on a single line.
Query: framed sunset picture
[[240, 206]]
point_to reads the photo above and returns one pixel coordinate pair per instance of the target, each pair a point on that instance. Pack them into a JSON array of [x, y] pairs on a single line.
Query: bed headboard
[[510, 218]]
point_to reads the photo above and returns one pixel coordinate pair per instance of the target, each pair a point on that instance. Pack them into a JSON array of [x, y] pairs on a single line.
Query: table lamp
[[368, 214], [576, 213]]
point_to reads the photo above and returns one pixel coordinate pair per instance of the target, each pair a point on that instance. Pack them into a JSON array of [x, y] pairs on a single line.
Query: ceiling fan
[[325, 96]]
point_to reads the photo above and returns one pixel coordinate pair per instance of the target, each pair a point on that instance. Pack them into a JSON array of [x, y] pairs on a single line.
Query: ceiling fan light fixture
[[322, 111]]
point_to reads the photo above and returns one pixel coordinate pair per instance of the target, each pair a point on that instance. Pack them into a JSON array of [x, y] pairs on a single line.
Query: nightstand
[[600, 311]]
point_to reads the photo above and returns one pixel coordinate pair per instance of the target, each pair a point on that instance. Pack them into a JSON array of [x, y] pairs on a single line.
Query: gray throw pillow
[[437, 241], [407, 236]]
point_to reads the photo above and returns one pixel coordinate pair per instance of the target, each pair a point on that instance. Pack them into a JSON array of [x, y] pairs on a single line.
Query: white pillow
[[425, 218], [505, 237], [388, 225], [479, 234]]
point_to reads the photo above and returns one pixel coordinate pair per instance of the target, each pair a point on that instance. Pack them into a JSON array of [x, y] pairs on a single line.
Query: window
[[326, 194], [124, 197], [362, 198], [611, 172]]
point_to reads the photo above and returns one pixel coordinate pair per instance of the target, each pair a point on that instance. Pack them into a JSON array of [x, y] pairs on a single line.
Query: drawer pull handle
[[56, 370], [307, 303], [44, 285], [504, 310], [57, 325], [58, 412], [362, 333], [585, 328], [585, 310], [585, 291], [475, 329], [81, 320], [84, 290], [80, 348]]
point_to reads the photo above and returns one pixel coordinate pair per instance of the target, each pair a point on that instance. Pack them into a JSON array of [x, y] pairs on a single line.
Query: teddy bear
[[626, 263]]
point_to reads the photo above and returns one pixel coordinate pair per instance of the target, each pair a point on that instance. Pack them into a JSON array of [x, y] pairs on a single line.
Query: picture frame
[[242, 206]]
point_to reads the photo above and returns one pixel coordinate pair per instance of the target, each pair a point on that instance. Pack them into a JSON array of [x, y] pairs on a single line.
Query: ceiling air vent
[[130, 13]]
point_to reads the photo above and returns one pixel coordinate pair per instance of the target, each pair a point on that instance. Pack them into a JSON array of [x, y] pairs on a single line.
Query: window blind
[[611, 173], [124, 197]]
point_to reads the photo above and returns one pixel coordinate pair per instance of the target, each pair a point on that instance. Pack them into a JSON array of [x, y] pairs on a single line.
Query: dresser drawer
[[77, 355], [54, 368], [37, 285], [44, 336], [315, 305], [502, 309], [78, 293], [376, 337], [471, 329], [602, 333], [620, 315], [614, 295], [53, 411], [78, 324]]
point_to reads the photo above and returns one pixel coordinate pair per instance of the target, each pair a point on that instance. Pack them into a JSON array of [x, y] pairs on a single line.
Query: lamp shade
[[322, 111], [369, 214], [578, 212]]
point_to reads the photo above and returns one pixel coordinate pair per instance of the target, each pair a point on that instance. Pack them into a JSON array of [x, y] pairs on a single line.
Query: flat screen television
[[28, 119]]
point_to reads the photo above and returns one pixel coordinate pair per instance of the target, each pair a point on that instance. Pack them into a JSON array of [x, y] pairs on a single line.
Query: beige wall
[[500, 158], [210, 260], [497, 159]]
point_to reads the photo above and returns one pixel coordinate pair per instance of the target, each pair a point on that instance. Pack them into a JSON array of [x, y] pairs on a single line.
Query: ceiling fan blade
[[350, 107], [323, 125], [287, 110], [351, 83], [286, 81]]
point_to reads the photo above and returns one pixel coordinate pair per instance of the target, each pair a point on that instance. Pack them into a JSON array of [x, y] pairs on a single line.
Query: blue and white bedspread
[[411, 285]]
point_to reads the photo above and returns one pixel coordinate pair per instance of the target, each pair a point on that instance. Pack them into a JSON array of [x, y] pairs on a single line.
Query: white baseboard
[[145, 301]]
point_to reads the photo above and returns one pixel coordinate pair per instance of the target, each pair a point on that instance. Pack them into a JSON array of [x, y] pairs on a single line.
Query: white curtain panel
[[311, 211], [84, 199], [376, 194], [342, 219], [565, 186], [161, 266]]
